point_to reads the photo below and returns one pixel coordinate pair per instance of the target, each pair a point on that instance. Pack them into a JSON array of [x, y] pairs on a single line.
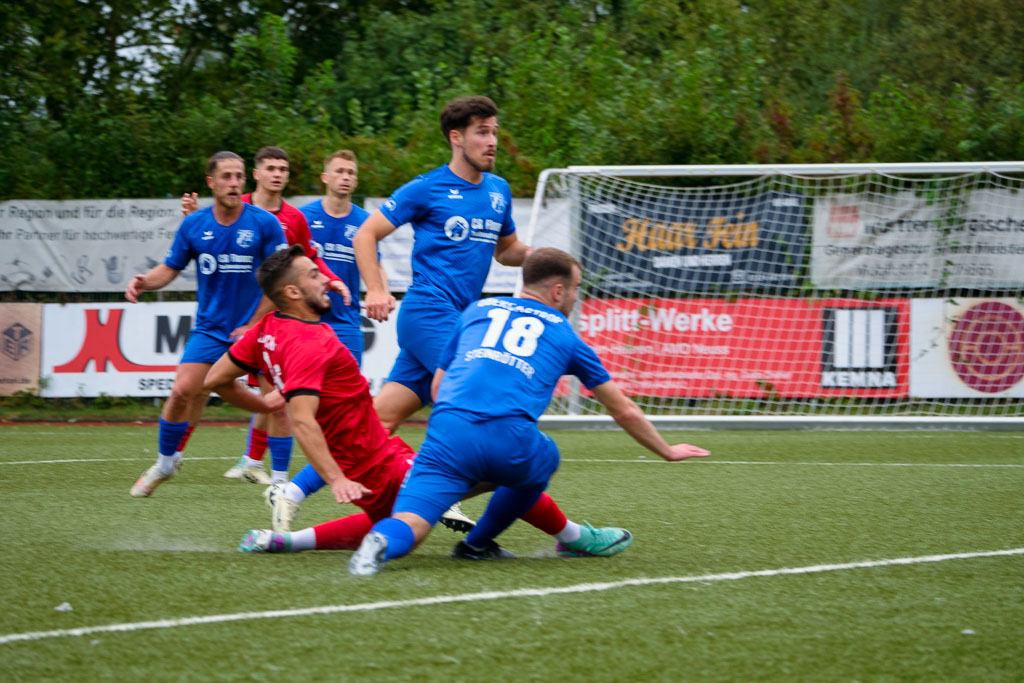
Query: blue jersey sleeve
[[587, 366], [406, 203], [180, 252]]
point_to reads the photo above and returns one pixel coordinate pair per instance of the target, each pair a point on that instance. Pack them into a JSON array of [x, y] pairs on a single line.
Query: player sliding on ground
[[333, 419], [494, 380]]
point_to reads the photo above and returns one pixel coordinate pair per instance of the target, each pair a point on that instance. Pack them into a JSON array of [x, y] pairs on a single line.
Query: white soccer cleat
[[253, 473], [367, 560], [456, 520], [150, 479], [282, 510]]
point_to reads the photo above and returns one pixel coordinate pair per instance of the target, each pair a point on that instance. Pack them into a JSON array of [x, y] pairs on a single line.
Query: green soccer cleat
[[603, 542], [265, 541]]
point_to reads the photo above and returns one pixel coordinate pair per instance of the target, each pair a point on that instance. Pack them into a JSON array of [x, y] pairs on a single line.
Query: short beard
[[477, 166], [319, 307]]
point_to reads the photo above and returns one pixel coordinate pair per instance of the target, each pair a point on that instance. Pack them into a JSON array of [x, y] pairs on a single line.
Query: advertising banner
[[20, 341], [751, 347], [904, 240], [98, 245], [967, 348], [133, 349], [692, 243]]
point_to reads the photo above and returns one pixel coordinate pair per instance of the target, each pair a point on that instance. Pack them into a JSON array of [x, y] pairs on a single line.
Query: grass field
[[786, 556]]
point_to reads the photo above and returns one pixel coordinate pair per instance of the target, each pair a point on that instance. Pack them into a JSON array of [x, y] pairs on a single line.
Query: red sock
[[184, 439], [343, 534], [546, 515], [257, 444]]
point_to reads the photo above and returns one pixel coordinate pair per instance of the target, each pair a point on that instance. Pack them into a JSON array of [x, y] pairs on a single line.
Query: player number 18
[[521, 336]]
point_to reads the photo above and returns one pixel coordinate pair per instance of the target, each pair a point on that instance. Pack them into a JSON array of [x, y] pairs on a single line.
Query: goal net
[[840, 293]]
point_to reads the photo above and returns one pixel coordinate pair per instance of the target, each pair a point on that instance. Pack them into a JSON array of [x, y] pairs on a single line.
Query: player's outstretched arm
[[510, 251], [379, 302], [221, 380], [302, 413], [629, 416], [158, 277]]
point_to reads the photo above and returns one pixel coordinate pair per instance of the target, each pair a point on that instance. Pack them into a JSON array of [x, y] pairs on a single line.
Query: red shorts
[[385, 480]]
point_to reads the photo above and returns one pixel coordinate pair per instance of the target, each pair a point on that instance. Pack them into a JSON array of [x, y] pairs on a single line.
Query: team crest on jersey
[[244, 238], [456, 228], [350, 231], [498, 202]]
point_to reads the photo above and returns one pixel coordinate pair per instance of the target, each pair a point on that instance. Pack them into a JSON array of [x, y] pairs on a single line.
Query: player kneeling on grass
[[333, 419], [495, 379]]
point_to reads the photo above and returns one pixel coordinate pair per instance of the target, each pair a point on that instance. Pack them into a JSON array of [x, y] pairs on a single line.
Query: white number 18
[[520, 338]]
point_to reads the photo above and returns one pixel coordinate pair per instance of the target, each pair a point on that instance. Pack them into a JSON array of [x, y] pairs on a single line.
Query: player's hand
[[274, 400], [239, 331], [378, 305], [346, 490], [682, 451], [189, 203], [134, 288], [392, 304], [339, 287]]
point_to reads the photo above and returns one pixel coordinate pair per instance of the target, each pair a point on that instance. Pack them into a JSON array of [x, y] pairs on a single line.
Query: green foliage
[[100, 100]]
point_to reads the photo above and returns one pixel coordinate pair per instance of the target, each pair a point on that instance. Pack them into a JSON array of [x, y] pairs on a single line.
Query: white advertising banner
[[966, 348], [866, 241], [98, 245], [133, 349]]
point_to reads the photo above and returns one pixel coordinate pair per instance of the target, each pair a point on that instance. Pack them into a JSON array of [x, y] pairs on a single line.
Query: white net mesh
[[799, 291]]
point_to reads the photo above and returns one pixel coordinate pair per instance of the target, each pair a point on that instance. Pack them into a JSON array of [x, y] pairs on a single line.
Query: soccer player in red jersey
[[271, 171], [328, 404]]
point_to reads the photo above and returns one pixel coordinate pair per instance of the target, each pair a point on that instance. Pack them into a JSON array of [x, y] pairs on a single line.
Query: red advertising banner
[[751, 347]]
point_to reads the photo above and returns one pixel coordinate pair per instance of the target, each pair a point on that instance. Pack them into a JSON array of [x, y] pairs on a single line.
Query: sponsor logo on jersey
[[244, 238], [207, 264], [207, 234], [317, 224], [390, 204], [498, 202], [456, 228], [453, 193]]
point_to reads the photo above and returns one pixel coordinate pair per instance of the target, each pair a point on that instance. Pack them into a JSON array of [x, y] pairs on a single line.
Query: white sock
[[293, 492], [570, 533], [165, 463], [303, 539], [249, 462], [279, 477]]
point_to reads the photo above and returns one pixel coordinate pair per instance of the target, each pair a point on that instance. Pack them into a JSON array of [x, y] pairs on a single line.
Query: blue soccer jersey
[[226, 260], [333, 240], [507, 358], [456, 226]]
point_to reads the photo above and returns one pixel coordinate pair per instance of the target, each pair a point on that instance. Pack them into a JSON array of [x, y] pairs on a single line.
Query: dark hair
[[458, 113], [546, 263], [275, 271], [270, 153], [211, 163]]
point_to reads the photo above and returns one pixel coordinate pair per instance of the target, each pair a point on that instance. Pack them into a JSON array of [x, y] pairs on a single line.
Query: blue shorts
[[458, 453], [424, 330], [202, 348], [352, 338]]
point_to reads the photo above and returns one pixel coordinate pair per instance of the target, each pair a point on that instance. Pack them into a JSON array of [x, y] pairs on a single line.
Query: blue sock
[[280, 452], [504, 507], [399, 534], [308, 480], [170, 435]]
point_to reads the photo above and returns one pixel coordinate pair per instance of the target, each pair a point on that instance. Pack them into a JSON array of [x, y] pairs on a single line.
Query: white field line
[[651, 461], [493, 595]]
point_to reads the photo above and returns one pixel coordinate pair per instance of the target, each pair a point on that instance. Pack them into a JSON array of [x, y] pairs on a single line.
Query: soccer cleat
[[603, 542], [249, 472], [282, 510], [150, 479], [493, 551], [367, 560], [456, 520], [265, 541]]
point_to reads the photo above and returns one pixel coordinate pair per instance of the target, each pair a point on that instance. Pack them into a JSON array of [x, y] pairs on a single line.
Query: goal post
[[821, 295]]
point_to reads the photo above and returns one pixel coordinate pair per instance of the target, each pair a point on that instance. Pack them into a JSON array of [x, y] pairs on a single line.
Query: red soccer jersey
[[303, 357], [296, 231]]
